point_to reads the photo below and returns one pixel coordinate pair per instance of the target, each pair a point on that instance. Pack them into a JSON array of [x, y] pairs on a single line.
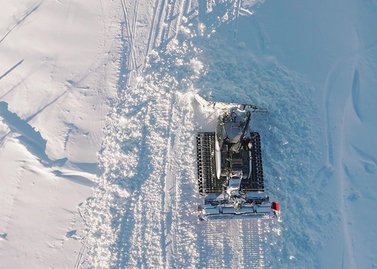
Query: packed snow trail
[[143, 212], [238, 243]]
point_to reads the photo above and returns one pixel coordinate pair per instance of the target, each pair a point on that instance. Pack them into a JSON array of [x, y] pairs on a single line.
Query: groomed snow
[[66, 65]]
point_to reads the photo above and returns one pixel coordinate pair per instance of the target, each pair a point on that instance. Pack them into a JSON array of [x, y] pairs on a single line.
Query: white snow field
[[65, 65], [58, 73]]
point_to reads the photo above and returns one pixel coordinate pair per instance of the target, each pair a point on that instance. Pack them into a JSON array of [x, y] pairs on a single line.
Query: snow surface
[[58, 71], [66, 65]]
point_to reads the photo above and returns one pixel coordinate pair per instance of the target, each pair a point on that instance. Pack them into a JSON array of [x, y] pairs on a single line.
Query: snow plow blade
[[224, 106]]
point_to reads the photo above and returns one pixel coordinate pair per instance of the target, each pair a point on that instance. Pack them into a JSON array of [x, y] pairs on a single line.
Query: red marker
[[275, 206]]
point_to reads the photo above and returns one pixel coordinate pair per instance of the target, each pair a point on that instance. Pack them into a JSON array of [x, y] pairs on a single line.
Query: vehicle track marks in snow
[[237, 245], [211, 243], [168, 184], [178, 233], [144, 176], [232, 243]]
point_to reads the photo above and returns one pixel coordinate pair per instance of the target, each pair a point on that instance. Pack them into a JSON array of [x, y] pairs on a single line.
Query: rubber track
[[205, 145], [207, 182], [256, 183]]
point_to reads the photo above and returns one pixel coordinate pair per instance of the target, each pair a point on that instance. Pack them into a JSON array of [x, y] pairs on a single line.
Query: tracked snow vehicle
[[229, 165]]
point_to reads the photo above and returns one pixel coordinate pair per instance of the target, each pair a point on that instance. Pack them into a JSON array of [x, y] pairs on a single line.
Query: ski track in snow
[[33, 8], [143, 212]]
